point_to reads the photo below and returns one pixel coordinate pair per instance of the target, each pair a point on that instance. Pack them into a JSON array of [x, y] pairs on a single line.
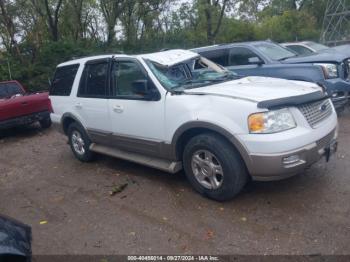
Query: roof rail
[[97, 54]]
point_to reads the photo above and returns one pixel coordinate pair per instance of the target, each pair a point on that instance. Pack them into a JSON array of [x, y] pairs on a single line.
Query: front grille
[[325, 141], [316, 112]]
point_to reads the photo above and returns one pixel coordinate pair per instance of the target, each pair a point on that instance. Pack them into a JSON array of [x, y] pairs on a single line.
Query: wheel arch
[[190, 129], [67, 119]]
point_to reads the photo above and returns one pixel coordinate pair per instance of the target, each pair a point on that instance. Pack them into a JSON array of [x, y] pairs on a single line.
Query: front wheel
[[213, 167], [80, 143]]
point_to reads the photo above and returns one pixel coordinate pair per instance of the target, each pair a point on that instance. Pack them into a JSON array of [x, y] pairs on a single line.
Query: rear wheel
[[80, 143], [213, 167]]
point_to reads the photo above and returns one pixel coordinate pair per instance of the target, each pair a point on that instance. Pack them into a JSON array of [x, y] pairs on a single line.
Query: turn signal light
[[256, 122]]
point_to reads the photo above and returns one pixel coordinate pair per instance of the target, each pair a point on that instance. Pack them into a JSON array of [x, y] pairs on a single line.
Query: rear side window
[[9, 89], [63, 80], [94, 80], [218, 56]]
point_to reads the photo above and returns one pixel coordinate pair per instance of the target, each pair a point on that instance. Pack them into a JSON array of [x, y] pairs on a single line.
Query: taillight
[[49, 105]]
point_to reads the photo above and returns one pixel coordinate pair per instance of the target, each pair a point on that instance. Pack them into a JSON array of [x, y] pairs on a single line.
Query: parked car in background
[[306, 47], [265, 58], [18, 107], [157, 110], [309, 47]]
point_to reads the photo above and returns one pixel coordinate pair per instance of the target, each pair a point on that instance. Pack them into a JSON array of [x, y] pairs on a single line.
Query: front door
[[137, 122]]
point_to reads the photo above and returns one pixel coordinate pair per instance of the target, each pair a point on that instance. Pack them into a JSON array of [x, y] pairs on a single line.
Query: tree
[[50, 11], [36, 35], [7, 20], [111, 10], [77, 7], [290, 26], [214, 11], [250, 9]]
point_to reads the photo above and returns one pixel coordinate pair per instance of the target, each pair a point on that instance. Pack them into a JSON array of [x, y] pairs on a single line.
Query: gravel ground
[[158, 213]]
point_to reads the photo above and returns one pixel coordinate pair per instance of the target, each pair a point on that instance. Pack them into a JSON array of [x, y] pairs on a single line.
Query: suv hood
[[318, 58], [257, 89]]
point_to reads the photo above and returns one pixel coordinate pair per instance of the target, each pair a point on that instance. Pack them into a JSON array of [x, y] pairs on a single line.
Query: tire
[[45, 123], [228, 181], [80, 143]]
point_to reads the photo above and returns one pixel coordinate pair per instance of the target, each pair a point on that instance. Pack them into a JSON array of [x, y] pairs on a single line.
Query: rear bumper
[[269, 167], [24, 120]]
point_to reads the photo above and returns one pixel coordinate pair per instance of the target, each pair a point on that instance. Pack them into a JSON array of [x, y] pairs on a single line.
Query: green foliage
[[292, 25], [86, 27], [35, 75]]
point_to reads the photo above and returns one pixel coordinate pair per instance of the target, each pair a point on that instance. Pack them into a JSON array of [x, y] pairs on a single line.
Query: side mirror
[[140, 88], [255, 60]]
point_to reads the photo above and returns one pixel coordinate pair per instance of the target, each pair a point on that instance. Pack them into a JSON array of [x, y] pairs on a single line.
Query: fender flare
[[212, 127], [76, 119]]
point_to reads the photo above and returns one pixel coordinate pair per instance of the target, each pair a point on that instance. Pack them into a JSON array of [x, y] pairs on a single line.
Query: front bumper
[[339, 91], [269, 167]]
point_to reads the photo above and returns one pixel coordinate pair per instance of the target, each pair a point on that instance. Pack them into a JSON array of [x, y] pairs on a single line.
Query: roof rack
[[97, 54]]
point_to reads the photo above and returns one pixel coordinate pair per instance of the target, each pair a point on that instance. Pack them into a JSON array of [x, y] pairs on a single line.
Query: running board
[[157, 163]]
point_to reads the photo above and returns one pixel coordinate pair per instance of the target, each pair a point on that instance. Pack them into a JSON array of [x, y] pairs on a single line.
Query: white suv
[[176, 110]]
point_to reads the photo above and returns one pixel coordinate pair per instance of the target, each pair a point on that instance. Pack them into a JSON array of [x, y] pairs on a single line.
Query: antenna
[[336, 23]]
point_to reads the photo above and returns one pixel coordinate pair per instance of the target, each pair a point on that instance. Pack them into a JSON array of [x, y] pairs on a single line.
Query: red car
[[18, 108]]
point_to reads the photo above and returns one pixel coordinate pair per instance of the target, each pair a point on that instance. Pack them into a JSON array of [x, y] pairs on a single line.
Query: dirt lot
[[157, 213]]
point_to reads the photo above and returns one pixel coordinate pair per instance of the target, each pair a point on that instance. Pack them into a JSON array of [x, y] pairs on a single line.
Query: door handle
[[79, 105], [118, 108]]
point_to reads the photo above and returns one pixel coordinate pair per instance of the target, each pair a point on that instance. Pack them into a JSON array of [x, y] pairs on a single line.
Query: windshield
[[190, 74], [274, 51], [316, 46]]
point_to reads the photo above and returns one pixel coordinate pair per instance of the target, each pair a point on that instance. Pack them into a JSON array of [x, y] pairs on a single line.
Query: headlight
[[329, 70], [271, 122]]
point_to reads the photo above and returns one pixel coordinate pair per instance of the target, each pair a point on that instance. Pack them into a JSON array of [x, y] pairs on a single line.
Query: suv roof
[[166, 58], [298, 43], [88, 58], [220, 46]]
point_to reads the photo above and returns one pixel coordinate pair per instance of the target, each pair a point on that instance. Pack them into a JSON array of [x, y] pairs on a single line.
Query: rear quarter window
[[10, 89], [63, 80]]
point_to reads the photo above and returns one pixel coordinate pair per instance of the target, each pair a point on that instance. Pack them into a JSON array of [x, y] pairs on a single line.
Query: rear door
[[64, 79], [91, 102]]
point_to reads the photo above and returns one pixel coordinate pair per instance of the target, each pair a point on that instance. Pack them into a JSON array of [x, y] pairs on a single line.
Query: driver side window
[[240, 56], [124, 76]]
